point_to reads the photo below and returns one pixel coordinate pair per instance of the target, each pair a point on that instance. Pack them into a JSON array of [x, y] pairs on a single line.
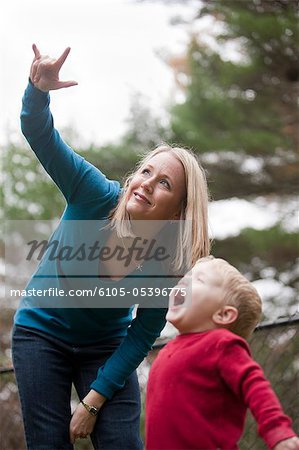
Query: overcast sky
[[115, 46]]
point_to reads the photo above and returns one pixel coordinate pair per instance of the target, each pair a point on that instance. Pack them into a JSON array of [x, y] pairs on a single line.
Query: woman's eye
[[165, 182], [145, 171]]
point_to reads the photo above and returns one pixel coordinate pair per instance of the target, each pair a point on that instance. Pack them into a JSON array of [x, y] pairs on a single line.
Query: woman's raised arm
[[78, 180]]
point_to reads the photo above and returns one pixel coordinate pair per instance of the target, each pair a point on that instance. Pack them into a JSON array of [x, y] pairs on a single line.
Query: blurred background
[[220, 77]]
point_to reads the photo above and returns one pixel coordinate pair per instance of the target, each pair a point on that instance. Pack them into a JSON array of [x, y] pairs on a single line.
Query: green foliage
[[248, 106], [254, 250], [115, 160], [27, 188], [228, 176], [223, 110]]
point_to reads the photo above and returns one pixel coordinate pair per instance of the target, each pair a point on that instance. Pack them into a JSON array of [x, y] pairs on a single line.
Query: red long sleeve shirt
[[199, 388]]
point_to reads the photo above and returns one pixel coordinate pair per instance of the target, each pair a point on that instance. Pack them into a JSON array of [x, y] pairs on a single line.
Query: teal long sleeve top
[[89, 196]]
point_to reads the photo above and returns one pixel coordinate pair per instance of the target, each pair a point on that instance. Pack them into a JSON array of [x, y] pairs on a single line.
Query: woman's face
[[157, 190]]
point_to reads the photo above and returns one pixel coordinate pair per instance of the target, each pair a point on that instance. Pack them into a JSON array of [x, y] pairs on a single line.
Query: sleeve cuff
[[34, 100], [35, 95], [104, 386], [276, 436]]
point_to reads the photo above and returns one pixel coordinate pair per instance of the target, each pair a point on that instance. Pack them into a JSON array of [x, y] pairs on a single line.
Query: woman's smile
[[141, 198]]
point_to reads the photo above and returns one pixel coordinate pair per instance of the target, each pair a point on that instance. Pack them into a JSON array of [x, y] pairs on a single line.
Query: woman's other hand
[[82, 423], [44, 72]]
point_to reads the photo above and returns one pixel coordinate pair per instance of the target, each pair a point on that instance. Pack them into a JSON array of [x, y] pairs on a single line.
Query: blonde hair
[[240, 293], [194, 208]]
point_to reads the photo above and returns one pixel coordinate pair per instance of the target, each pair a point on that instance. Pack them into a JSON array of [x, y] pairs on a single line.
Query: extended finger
[[62, 58], [66, 84], [33, 72], [37, 57], [36, 51]]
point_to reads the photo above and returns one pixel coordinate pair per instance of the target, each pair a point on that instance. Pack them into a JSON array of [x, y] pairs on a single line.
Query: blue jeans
[[45, 369]]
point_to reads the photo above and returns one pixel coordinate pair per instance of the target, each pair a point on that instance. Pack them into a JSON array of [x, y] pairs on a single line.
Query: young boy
[[202, 382]]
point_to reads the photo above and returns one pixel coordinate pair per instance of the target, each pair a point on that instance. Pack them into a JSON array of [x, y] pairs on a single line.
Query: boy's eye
[[200, 278]]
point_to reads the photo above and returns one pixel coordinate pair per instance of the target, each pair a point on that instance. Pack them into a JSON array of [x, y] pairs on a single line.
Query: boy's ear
[[225, 315]]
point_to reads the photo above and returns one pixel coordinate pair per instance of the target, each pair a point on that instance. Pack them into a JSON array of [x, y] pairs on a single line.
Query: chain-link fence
[[274, 345]]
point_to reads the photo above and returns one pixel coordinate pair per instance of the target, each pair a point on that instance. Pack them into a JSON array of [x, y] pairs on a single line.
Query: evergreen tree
[[241, 116], [249, 107]]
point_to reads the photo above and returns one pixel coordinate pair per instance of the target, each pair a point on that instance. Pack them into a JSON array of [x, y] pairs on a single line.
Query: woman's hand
[[44, 72], [288, 444], [82, 423]]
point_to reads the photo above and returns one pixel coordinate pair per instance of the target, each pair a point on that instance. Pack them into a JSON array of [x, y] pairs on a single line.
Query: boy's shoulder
[[225, 334], [211, 344], [226, 341], [219, 336]]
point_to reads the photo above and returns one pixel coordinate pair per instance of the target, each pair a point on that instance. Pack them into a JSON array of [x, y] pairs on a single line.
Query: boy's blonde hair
[[240, 293], [194, 208]]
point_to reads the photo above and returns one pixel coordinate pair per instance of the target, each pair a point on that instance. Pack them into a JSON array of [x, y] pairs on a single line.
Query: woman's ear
[[176, 216], [179, 215], [225, 316]]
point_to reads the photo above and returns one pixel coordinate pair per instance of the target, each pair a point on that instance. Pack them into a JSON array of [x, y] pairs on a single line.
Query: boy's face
[[195, 311]]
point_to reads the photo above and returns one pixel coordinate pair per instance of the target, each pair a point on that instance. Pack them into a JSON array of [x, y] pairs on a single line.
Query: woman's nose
[[147, 184]]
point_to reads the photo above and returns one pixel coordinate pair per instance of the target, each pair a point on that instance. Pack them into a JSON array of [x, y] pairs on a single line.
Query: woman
[[98, 349]]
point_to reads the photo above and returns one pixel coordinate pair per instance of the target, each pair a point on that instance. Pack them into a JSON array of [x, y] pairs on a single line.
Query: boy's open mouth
[[179, 298]]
